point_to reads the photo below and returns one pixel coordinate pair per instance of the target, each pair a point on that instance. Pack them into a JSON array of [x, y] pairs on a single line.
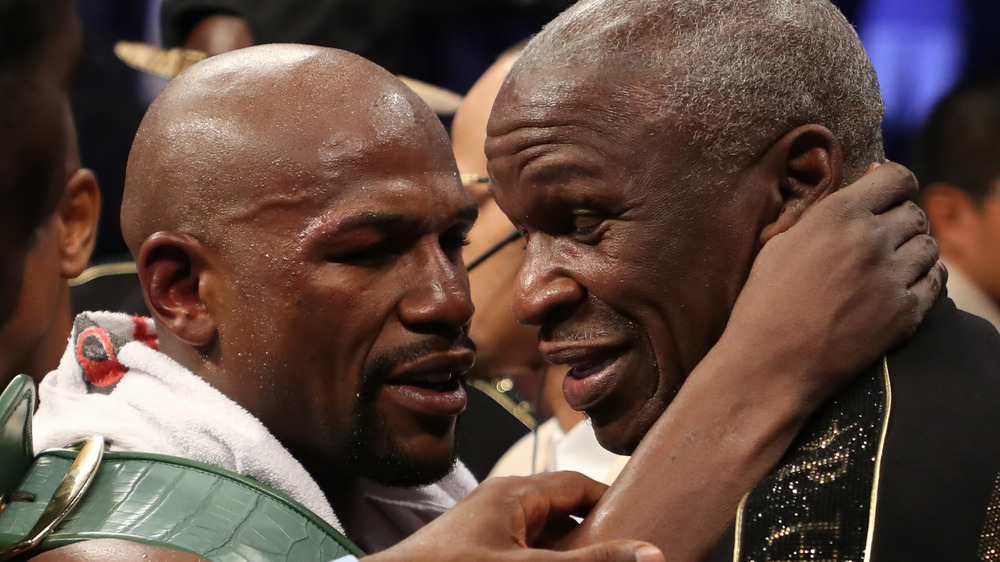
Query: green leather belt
[[168, 502]]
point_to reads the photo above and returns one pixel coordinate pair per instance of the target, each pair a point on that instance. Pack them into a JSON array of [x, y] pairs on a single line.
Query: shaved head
[[188, 169], [297, 221]]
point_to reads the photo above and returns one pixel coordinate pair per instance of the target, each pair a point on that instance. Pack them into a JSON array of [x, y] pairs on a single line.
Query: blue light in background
[[918, 49]]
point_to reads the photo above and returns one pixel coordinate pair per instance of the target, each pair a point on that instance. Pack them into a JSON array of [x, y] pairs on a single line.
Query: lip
[[455, 361], [431, 385], [594, 369]]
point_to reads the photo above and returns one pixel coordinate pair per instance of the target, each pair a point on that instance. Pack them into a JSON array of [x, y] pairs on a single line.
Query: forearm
[[724, 431]]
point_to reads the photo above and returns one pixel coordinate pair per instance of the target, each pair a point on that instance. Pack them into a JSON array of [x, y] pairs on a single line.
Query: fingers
[[560, 493], [548, 498], [916, 258], [904, 222], [614, 551], [880, 188], [928, 287]]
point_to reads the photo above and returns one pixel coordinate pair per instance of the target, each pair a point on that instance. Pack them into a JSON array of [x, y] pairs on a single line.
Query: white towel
[[113, 381]]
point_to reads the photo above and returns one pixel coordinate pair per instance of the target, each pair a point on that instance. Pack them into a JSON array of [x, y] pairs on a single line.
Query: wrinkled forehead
[[589, 95], [300, 166]]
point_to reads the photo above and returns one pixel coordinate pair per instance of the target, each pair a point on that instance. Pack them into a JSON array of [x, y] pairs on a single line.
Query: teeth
[[437, 377], [583, 371]]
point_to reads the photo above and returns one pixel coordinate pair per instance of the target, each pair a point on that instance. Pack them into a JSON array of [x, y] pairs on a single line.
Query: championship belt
[[64, 496], [820, 503]]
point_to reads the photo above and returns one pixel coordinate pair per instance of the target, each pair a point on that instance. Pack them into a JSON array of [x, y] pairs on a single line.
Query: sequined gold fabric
[[818, 505], [989, 539]]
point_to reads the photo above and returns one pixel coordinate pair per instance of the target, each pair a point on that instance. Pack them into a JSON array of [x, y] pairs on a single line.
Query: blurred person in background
[[958, 163], [507, 352], [39, 50], [32, 341], [447, 43]]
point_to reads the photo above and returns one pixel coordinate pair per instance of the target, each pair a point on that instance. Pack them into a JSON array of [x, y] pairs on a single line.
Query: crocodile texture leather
[[179, 504], [17, 404]]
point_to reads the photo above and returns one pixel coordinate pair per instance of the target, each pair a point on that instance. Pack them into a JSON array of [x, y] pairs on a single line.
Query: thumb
[[613, 551]]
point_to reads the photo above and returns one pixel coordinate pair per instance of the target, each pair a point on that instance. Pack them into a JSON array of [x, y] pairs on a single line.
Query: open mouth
[[431, 385], [588, 368], [435, 382], [595, 369]]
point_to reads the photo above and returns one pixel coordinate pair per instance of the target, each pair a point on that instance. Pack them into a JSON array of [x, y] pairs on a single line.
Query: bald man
[[650, 151], [297, 220]]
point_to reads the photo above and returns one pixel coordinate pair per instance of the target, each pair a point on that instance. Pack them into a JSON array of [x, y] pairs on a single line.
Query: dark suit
[[935, 475]]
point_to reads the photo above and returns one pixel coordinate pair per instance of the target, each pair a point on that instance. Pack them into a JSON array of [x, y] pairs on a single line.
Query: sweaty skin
[[377, 268]]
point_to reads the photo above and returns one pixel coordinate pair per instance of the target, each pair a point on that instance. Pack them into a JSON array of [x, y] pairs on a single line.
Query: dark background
[[920, 48]]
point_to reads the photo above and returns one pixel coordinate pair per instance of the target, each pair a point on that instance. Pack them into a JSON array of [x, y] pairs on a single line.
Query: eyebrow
[[379, 220]]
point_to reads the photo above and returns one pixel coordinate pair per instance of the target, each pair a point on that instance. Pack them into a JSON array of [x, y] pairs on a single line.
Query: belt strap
[[173, 503]]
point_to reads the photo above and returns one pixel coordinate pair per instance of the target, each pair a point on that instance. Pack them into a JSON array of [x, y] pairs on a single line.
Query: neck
[[35, 352], [341, 490]]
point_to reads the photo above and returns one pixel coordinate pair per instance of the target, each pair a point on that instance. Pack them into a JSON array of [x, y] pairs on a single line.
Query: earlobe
[[172, 266], [807, 164], [78, 213]]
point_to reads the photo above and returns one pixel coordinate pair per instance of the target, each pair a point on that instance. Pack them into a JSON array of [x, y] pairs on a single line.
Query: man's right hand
[[504, 519]]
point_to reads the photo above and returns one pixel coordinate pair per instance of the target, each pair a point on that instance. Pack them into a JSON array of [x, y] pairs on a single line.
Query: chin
[[619, 440], [402, 461], [400, 470]]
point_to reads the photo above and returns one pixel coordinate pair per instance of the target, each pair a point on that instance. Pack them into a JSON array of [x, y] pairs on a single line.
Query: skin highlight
[[643, 248], [352, 235]]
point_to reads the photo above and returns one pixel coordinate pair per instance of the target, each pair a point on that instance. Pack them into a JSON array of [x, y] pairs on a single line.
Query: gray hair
[[733, 75]]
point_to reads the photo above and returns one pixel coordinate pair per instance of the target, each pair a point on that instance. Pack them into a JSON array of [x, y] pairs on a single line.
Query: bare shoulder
[[106, 550]]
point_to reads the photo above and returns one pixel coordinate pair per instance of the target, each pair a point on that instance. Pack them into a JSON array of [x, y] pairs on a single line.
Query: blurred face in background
[[505, 349]]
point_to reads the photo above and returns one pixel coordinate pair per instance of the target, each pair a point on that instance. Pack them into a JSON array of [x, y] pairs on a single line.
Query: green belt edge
[[92, 518]]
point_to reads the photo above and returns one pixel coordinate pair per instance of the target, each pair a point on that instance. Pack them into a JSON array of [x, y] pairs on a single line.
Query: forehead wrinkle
[[347, 219], [340, 219], [273, 203]]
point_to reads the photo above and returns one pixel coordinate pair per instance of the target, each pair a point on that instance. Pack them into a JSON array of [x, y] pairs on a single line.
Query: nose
[[543, 284], [437, 291]]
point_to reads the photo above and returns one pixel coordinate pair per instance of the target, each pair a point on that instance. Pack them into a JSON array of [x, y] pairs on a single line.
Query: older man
[[297, 220], [959, 164], [648, 150]]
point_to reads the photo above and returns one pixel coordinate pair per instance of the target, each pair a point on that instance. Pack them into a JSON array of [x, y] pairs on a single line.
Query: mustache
[[596, 322]]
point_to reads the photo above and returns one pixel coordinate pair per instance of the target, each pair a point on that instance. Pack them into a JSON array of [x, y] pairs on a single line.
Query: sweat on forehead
[[252, 127], [733, 75]]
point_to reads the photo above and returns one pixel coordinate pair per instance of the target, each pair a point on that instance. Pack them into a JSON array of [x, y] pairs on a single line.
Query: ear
[[807, 164], [77, 217], [172, 268], [949, 210]]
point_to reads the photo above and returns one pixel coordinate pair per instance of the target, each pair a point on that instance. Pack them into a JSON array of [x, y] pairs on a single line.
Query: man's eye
[[586, 223], [367, 256], [452, 242]]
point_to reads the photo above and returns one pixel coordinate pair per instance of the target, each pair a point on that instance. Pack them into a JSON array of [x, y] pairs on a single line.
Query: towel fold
[[113, 381]]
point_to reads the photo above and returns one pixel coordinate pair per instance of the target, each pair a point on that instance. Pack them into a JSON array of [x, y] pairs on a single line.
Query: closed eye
[[452, 241], [371, 255]]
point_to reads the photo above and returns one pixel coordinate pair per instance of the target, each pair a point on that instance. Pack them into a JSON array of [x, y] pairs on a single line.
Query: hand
[[824, 299], [506, 518], [851, 279]]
